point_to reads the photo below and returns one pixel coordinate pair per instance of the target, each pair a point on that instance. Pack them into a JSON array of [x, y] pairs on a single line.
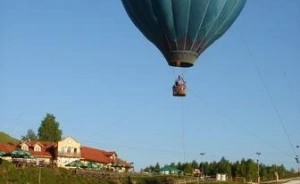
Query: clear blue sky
[[110, 88]]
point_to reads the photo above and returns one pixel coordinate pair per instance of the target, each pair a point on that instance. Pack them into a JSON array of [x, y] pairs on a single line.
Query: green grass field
[[5, 138], [10, 174]]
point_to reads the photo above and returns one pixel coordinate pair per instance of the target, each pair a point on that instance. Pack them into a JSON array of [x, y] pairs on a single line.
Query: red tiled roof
[[109, 153], [45, 149], [120, 161], [93, 154], [41, 143], [41, 153], [7, 147]]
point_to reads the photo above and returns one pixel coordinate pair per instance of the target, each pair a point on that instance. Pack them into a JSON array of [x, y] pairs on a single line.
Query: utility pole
[[297, 160], [202, 168], [258, 177], [276, 174], [40, 168]]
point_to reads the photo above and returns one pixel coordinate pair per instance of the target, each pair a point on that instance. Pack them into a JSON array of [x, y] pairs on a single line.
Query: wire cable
[[237, 124], [268, 93], [183, 129]]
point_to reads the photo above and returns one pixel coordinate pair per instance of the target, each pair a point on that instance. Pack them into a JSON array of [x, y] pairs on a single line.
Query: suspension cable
[[238, 125], [183, 129], [268, 92]]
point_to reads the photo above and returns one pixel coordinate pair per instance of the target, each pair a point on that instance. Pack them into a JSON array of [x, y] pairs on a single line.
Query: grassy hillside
[[10, 174], [5, 138]]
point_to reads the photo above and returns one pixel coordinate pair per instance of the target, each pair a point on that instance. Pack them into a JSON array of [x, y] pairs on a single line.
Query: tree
[[157, 168], [30, 135], [49, 129], [206, 168], [251, 170], [247, 169], [235, 169], [173, 165], [224, 166], [187, 168], [195, 165], [179, 166]]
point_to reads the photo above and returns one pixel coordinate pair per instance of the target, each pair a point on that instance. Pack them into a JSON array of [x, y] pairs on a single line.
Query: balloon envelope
[[183, 29]]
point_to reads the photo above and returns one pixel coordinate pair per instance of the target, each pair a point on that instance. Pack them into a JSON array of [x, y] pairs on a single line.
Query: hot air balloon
[[183, 29]]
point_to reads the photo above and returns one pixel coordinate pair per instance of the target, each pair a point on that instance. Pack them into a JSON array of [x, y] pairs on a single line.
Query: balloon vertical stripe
[[183, 29]]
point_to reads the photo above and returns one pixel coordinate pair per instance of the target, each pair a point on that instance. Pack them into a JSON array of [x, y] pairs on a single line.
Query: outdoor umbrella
[[76, 163], [2, 153], [118, 165], [19, 153], [93, 165]]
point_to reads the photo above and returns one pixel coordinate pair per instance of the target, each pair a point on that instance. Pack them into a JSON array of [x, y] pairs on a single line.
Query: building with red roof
[[66, 151]]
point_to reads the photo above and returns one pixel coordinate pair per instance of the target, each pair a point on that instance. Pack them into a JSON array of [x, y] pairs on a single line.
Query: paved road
[[293, 182]]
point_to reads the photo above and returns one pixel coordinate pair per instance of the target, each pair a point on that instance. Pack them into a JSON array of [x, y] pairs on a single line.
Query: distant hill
[[5, 138]]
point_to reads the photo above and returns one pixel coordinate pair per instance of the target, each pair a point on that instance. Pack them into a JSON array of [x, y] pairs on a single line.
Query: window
[[24, 147], [69, 150], [37, 148], [75, 150]]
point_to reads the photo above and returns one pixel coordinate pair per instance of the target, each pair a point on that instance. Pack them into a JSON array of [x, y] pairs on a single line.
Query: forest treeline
[[245, 168]]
